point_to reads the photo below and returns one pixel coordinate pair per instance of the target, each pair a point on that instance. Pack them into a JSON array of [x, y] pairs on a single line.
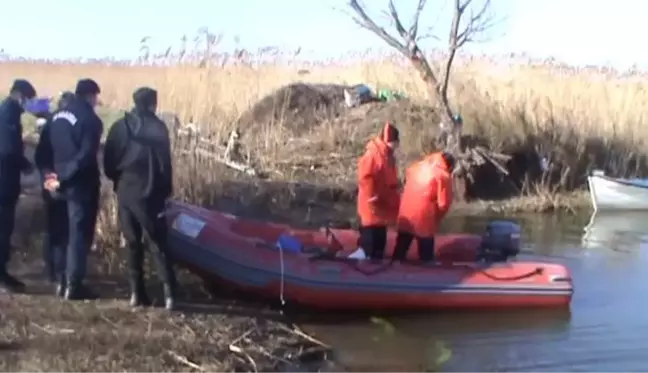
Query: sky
[[575, 31]]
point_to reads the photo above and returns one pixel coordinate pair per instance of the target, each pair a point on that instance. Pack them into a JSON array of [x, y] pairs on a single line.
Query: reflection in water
[[606, 329], [616, 231]]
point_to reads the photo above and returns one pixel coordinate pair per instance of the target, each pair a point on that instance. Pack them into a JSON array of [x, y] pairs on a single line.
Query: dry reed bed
[[500, 103], [578, 119], [590, 103]]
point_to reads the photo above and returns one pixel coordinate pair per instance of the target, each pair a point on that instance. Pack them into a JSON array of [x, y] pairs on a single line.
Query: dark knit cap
[[390, 133], [86, 87], [145, 97], [24, 87], [65, 99]]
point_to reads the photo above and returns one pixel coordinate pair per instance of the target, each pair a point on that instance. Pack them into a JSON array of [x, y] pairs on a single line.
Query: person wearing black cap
[[137, 158], [75, 136], [12, 163], [56, 207]]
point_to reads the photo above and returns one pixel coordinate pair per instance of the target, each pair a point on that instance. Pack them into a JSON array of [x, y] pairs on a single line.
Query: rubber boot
[[10, 284], [169, 297], [78, 291], [61, 287], [138, 298], [166, 273]]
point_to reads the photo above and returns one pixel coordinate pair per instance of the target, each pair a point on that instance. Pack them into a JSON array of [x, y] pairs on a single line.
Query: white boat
[[610, 193]]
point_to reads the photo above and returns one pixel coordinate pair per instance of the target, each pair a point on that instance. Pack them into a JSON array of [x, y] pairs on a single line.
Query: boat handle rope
[[330, 255], [329, 232], [282, 280], [537, 271], [282, 269], [354, 264]]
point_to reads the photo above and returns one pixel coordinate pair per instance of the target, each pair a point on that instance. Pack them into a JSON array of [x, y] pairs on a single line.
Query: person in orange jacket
[[427, 197], [378, 194]]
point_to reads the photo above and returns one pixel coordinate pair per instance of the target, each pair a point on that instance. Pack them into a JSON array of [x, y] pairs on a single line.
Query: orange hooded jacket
[[427, 196], [378, 195]]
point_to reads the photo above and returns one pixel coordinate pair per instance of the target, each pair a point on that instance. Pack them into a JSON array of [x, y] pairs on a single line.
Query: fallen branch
[[53, 332], [183, 360], [297, 331], [109, 321], [191, 133], [267, 354], [197, 143], [495, 163], [241, 167], [242, 336], [238, 350]]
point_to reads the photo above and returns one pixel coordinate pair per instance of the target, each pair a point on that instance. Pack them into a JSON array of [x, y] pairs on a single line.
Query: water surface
[[606, 328]]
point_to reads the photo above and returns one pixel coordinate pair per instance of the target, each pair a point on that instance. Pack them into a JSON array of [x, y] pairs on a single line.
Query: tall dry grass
[[517, 101], [581, 118]]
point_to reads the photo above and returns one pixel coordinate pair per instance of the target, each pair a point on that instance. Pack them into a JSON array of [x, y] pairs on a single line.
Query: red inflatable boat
[[312, 267]]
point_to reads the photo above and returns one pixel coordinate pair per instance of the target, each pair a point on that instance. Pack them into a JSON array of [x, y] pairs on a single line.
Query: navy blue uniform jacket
[[12, 156], [75, 134]]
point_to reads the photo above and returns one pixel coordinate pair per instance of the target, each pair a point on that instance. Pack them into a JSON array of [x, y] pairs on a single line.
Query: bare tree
[[468, 21]]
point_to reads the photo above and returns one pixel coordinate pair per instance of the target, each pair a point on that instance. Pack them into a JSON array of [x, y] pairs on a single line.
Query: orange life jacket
[[378, 195], [427, 196]]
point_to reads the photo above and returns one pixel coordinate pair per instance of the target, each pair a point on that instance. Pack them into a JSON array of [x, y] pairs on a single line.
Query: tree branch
[[363, 20], [458, 36], [413, 31], [477, 24], [453, 45]]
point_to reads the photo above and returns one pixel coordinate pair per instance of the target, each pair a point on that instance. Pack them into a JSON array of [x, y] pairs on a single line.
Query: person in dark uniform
[[56, 207], [12, 163], [137, 158], [75, 135]]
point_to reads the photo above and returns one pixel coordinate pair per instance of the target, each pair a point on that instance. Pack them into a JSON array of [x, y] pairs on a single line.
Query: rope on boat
[[282, 280], [537, 271]]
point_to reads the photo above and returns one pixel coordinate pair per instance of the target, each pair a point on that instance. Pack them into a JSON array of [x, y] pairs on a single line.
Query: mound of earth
[[300, 107], [417, 123], [297, 107]]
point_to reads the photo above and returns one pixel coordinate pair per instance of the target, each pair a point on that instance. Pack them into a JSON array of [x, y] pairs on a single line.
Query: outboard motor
[[500, 241]]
